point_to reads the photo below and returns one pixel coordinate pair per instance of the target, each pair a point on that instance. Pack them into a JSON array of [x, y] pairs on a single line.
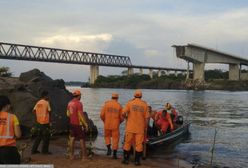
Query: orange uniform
[[7, 123], [137, 114], [164, 121], [112, 118], [42, 109]]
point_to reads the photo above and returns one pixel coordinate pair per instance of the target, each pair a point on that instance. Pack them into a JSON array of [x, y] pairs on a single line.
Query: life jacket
[[7, 129], [42, 113]]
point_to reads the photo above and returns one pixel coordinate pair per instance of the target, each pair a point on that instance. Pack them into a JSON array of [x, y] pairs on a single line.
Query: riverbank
[[60, 160], [168, 82]]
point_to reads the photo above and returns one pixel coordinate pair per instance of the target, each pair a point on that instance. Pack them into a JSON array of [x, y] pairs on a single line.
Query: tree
[[4, 72]]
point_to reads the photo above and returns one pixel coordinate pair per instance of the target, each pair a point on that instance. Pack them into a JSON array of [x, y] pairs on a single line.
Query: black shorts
[[9, 155], [77, 132]]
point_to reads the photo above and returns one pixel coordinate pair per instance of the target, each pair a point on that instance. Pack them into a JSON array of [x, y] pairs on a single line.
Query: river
[[223, 111]]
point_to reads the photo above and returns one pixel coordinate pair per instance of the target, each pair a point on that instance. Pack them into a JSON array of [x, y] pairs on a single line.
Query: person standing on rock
[[78, 124], [9, 131], [136, 112], [112, 118], [42, 111]]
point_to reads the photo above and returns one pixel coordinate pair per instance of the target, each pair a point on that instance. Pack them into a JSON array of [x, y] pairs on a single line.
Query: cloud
[[127, 27], [93, 42]]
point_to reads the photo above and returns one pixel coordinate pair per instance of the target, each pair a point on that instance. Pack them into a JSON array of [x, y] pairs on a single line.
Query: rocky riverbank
[[25, 91]]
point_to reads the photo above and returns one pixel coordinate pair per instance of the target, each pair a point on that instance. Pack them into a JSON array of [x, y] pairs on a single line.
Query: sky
[[145, 30]]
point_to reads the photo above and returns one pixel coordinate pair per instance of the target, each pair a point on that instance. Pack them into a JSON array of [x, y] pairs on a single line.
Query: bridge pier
[[151, 73], [141, 71], [94, 73], [159, 73], [198, 69], [130, 71], [176, 73], [234, 73]]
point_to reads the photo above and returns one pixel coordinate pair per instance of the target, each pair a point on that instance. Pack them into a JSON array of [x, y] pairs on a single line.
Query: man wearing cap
[[136, 112], [77, 120], [112, 118], [42, 110]]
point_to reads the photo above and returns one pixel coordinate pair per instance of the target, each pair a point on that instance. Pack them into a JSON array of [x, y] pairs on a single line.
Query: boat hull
[[170, 137]]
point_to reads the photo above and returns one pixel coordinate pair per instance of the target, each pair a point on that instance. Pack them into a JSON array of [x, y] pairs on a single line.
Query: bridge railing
[[35, 53]]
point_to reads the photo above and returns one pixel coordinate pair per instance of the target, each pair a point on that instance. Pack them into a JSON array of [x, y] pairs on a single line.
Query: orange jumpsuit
[[164, 122], [137, 114], [112, 118]]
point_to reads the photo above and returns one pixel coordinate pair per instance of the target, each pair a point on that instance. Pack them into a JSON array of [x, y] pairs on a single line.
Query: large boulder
[[25, 91]]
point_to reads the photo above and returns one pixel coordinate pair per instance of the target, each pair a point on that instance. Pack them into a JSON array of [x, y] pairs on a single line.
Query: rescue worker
[[42, 110], [136, 112], [163, 121], [78, 124], [172, 111], [9, 131], [111, 115]]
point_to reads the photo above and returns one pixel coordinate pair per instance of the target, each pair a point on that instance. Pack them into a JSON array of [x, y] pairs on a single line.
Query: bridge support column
[[94, 72], [176, 73], [199, 71], [159, 73], [187, 73], [234, 72], [130, 71], [141, 71], [151, 73]]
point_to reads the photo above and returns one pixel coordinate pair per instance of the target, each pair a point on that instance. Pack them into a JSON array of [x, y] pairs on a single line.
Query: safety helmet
[[115, 95], [76, 93], [138, 93], [168, 106]]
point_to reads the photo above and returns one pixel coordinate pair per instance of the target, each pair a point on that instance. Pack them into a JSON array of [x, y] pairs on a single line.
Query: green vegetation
[[4, 72], [77, 83], [140, 81], [215, 79], [215, 74]]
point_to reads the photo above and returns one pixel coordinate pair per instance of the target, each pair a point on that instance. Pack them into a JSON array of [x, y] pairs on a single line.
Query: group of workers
[[137, 113]]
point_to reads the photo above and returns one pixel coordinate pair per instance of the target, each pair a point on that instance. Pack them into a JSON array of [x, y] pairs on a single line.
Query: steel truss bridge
[[44, 54]]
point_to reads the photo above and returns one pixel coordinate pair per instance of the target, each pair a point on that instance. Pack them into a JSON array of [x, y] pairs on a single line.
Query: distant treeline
[[170, 81], [77, 83]]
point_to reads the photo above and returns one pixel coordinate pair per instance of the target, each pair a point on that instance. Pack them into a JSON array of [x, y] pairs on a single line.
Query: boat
[[178, 133]]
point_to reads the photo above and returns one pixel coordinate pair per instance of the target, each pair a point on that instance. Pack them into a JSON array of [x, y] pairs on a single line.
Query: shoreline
[[59, 158]]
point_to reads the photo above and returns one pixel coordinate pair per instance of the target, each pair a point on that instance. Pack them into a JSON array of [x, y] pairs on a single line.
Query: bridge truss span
[[44, 54]]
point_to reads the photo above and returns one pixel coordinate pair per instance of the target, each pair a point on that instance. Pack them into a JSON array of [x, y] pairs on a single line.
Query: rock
[[33, 75], [25, 91]]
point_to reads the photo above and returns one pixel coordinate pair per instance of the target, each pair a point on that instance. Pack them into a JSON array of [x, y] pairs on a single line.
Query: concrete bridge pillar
[[199, 71], [187, 73], [176, 73], [151, 73], [159, 73], [130, 71], [234, 72], [94, 73], [141, 71]]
